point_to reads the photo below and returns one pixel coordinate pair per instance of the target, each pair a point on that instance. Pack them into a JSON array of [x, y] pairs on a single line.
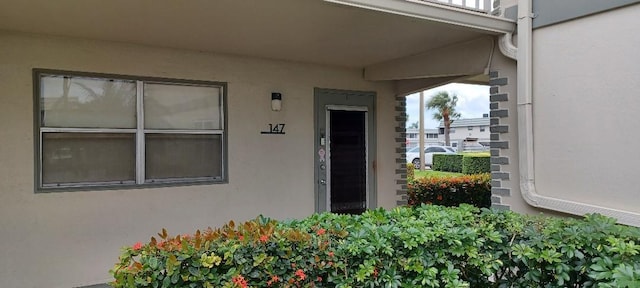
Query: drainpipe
[[524, 104], [505, 43], [523, 55]]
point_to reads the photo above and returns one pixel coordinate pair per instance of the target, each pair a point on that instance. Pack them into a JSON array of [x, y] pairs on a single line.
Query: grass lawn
[[431, 173]]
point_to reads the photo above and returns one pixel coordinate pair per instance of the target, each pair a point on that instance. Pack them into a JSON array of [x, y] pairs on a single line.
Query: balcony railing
[[474, 5]]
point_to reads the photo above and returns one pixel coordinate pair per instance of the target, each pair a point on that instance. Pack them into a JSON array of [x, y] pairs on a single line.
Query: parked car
[[474, 147], [413, 154]]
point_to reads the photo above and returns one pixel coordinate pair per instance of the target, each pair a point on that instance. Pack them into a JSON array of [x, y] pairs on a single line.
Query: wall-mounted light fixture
[[276, 101]]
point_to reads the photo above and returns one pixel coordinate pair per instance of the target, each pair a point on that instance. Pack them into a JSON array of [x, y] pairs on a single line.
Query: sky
[[473, 101]]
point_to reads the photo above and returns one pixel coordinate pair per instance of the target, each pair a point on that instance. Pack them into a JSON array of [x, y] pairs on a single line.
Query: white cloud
[[473, 101]]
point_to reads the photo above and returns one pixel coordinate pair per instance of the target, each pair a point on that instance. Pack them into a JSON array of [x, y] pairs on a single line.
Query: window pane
[[182, 107], [75, 102], [87, 157], [183, 156]]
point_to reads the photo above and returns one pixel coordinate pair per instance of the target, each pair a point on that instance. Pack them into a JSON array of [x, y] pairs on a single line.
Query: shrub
[[452, 191], [447, 162], [427, 246], [411, 172], [472, 164]]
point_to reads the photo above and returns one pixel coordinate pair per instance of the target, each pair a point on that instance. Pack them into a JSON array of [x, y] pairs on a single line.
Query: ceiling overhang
[[436, 12], [466, 58], [309, 31], [415, 44]]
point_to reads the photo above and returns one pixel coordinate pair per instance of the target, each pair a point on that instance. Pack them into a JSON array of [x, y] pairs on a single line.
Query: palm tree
[[445, 105]]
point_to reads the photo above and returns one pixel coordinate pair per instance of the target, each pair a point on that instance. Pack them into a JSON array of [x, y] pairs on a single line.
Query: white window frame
[[140, 131]]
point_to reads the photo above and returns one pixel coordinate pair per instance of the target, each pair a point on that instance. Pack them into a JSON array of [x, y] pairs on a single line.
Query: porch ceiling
[[312, 31]]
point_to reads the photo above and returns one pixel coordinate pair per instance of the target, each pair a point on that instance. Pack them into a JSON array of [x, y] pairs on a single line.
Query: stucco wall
[[72, 239], [584, 115], [586, 101]]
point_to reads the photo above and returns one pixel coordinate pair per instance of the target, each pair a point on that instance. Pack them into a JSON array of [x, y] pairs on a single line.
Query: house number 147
[[275, 129]]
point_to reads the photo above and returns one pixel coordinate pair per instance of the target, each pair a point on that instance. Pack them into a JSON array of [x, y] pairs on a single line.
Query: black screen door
[[348, 161]]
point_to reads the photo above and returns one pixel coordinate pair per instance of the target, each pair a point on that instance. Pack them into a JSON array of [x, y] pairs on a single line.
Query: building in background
[[430, 137], [469, 132]]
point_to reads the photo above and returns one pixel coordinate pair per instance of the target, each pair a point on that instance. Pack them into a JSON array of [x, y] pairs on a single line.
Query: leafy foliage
[[447, 162], [453, 191], [467, 163], [411, 171], [425, 246], [476, 164], [445, 106]]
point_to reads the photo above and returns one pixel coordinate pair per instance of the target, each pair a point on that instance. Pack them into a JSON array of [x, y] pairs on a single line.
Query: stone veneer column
[[401, 150], [499, 114]]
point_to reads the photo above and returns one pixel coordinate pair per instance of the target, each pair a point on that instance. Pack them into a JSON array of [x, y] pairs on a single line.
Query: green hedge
[[428, 246], [462, 163], [447, 162], [451, 191], [476, 164]]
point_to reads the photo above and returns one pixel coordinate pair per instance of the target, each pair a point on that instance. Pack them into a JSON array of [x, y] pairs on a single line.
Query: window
[[482, 128], [106, 130], [434, 149], [470, 128]]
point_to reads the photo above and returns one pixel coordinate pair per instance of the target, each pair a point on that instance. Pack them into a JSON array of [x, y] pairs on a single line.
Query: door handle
[[323, 182]]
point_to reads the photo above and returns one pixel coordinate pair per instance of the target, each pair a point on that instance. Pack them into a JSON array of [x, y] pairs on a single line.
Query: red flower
[[300, 274], [264, 238], [321, 232], [137, 246], [331, 254], [319, 279], [439, 197], [240, 281], [274, 279]]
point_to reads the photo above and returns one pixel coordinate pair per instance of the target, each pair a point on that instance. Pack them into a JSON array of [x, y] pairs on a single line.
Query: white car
[[474, 147], [413, 155]]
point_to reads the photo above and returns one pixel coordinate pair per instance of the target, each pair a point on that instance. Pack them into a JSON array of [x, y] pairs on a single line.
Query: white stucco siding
[[585, 97], [72, 239]]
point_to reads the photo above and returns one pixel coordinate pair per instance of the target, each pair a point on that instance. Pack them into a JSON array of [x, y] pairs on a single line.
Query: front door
[[345, 150]]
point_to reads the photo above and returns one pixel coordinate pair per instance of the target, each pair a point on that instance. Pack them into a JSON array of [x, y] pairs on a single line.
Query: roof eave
[[436, 12]]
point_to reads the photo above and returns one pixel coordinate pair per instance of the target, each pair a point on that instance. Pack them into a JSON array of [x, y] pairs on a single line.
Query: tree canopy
[[445, 106]]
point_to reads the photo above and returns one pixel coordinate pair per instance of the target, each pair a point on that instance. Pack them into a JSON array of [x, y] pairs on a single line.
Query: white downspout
[[525, 127], [524, 103], [522, 54], [505, 43]]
